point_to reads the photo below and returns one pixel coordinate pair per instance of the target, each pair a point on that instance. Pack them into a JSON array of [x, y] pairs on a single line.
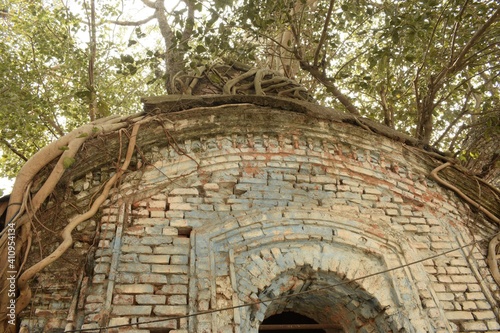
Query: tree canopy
[[426, 68]]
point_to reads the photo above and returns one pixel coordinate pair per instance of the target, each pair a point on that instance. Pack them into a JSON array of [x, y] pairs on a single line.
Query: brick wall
[[251, 204]]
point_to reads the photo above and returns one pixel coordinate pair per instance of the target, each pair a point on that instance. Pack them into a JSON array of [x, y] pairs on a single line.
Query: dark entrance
[[290, 322]]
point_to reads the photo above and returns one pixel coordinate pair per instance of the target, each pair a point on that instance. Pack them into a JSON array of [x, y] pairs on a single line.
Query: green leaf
[[126, 58], [64, 148], [83, 94], [200, 49], [68, 162]]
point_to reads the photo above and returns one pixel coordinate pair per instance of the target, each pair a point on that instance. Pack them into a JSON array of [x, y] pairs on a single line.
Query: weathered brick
[[171, 249], [131, 310], [446, 296], [156, 240], [101, 268], [172, 289], [158, 204], [123, 299], [330, 187], [459, 315], [134, 230], [179, 260], [177, 300], [475, 326], [170, 269], [182, 206], [468, 305], [151, 221], [183, 191], [153, 278], [493, 325], [170, 310], [211, 187], [463, 278], [154, 259], [119, 321], [153, 230], [157, 214], [475, 296], [170, 231], [134, 288], [457, 287], [154, 322], [371, 197], [150, 299], [137, 268]]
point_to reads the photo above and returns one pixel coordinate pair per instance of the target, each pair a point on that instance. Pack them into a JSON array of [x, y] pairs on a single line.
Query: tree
[[416, 66], [53, 81], [39, 66], [429, 68], [425, 68]]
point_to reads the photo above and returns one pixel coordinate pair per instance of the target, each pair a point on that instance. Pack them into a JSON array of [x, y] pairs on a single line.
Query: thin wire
[[285, 296]]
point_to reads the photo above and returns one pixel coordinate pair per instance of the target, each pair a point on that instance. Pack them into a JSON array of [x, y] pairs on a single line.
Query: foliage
[[427, 68], [422, 67], [45, 91], [40, 68], [418, 66]]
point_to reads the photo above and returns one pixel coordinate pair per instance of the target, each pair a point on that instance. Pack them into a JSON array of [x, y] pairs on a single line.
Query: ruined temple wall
[[221, 219]]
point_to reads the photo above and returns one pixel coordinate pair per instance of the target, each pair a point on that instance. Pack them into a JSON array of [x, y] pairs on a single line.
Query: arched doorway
[[336, 307], [292, 322]]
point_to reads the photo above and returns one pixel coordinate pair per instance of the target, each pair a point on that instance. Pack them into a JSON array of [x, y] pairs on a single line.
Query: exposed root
[[19, 217], [234, 79], [494, 258], [22, 283], [494, 245], [230, 87]]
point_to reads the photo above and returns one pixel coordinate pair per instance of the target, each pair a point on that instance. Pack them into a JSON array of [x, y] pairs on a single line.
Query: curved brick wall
[[242, 203]]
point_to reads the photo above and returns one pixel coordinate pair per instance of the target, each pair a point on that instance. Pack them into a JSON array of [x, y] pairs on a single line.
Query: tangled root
[[236, 79], [20, 213]]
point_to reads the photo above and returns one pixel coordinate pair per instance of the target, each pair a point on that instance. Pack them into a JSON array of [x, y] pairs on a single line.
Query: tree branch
[[323, 33], [348, 62], [133, 23], [455, 30], [457, 63], [388, 110], [92, 59], [150, 4], [321, 77], [464, 81], [14, 150], [454, 121], [188, 28]]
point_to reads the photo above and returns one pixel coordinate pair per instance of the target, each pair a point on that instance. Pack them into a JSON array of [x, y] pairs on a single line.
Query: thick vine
[[494, 245], [20, 214]]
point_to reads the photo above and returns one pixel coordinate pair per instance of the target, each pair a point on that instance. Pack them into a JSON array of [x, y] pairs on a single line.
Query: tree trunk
[[425, 119]]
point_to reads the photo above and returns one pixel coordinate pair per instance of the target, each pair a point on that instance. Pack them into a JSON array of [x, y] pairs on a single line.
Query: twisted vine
[[20, 215], [236, 79], [494, 244]]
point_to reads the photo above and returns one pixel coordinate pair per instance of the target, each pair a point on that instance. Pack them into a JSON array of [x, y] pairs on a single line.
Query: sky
[[6, 185]]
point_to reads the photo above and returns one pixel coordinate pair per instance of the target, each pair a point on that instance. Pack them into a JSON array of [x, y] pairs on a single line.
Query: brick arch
[[345, 305], [248, 254], [253, 182]]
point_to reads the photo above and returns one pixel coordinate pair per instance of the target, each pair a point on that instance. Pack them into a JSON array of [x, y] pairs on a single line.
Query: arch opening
[[292, 322], [336, 308]]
